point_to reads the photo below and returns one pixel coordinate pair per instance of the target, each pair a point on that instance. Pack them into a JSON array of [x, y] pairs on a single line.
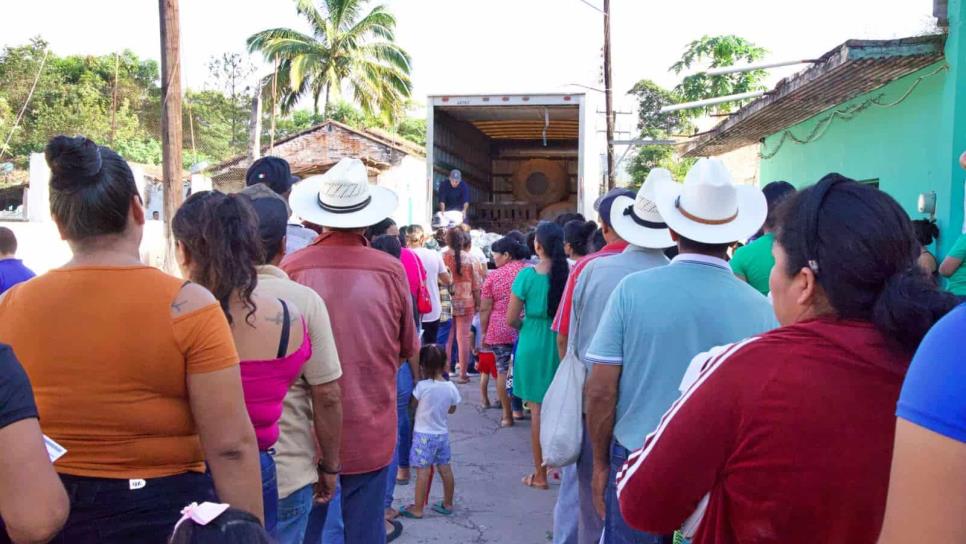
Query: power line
[[16, 123]]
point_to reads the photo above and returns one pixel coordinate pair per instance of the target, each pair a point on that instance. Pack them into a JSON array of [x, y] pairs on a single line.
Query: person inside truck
[[454, 196]]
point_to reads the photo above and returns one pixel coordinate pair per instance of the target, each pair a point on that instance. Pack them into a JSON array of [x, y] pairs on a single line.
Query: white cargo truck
[[525, 157]]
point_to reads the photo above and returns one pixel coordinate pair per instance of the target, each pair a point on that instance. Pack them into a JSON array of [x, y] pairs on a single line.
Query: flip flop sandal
[[506, 423], [528, 481], [402, 482], [440, 509], [397, 529], [404, 512]]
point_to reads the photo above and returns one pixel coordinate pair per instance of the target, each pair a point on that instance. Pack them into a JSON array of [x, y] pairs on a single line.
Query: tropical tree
[[716, 52], [347, 48]]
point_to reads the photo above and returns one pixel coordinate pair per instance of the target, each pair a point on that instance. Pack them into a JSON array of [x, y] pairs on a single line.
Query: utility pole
[[609, 97], [255, 127], [171, 130]]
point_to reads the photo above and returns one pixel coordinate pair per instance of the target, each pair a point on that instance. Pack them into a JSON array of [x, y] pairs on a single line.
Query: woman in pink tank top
[[218, 246]]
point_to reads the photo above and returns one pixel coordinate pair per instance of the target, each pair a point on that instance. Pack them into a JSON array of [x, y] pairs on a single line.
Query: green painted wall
[[911, 148], [901, 146]]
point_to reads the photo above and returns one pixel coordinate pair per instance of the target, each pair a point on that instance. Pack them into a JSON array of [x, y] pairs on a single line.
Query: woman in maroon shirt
[[788, 437]]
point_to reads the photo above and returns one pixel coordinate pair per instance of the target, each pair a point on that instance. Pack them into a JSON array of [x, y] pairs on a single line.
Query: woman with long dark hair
[[538, 291], [218, 245], [133, 370], [510, 255], [466, 297], [788, 437]]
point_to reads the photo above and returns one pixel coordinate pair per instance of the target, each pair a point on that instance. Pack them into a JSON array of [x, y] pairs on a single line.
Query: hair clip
[[202, 514], [813, 264]]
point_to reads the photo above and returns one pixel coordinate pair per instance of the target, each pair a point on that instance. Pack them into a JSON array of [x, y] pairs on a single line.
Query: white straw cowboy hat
[[342, 198], [638, 221], [708, 207]]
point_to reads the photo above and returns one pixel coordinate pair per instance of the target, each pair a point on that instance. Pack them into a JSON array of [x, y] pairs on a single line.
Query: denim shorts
[[504, 355], [429, 450]]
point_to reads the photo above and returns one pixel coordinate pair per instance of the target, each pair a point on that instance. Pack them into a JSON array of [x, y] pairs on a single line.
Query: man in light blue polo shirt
[[636, 221], [656, 321]]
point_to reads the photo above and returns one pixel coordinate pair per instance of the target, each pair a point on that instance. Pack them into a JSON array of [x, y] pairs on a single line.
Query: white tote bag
[[561, 427]]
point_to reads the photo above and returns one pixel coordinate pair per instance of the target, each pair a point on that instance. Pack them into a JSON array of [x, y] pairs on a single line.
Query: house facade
[[886, 112]]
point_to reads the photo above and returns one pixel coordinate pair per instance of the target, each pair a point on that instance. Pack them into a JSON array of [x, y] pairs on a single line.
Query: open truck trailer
[[525, 157]]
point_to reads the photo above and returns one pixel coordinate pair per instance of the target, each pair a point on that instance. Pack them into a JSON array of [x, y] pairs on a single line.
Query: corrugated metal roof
[[854, 68]]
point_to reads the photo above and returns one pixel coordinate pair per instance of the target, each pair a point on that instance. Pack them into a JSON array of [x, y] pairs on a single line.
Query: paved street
[[491, 503]]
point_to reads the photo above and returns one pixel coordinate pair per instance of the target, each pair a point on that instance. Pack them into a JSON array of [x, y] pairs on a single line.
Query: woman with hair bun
[[509, 254], [134, 371], [218, 245], [578, 238], [788, 437]]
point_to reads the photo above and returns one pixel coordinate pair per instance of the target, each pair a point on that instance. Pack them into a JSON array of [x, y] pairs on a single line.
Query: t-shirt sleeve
[[418, 390], [465, 193], [607, 347], [206, 341], [561, 321], [739, 262], [934, 393], [521, 283], [959, 248], [323, 367], [16, 395], [488, 287]]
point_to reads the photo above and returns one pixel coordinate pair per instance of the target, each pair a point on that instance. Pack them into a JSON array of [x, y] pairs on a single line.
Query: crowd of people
[[297, 373]]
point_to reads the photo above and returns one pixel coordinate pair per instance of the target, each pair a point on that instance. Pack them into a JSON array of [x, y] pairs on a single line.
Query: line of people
[[716, 412]]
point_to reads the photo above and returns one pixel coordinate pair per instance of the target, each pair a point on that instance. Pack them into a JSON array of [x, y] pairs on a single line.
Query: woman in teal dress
[[536, 295]]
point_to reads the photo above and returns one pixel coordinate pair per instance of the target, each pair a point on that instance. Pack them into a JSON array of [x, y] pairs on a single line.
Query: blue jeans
[[269, 490], [325, 522], [107, 510], [293, 516], [404, 429], [363, 516], [616, 530], [576, 496]]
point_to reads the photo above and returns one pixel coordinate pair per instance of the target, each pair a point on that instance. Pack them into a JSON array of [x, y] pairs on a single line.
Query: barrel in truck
[[525, 158]]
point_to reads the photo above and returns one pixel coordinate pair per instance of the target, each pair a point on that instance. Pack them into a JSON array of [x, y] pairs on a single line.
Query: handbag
[[424, 304], [561, 428]]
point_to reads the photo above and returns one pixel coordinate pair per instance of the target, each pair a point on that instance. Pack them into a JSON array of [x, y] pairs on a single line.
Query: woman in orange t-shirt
[[134, 372]]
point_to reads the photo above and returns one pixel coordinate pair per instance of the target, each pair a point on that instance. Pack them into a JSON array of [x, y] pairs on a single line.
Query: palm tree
[[345, 50]]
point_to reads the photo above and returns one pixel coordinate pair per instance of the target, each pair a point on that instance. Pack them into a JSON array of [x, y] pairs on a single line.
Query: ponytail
[[220, 235], [909, 305], [861, 247], [550, 237], [454, 239], [579, 234]]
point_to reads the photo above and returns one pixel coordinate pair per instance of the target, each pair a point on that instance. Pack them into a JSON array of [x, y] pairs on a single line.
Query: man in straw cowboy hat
[[368, 297], [656, 321], [636, 221]]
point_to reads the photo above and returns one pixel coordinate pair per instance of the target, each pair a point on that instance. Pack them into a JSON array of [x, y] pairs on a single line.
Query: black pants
[[430, 332], [105, 510]]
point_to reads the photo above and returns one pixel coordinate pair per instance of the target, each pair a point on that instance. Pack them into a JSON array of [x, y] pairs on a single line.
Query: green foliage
[[218, 126], [413, 129], [651, 97], [347, 48], [657, 156], [347, 114], [145, 150], [74, 95], [715, 52]]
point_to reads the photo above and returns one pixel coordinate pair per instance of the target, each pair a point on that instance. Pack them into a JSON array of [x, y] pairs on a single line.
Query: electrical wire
[[845, 114]]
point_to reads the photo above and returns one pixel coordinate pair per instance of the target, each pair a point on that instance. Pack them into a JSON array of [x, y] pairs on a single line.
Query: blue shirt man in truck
[[455, 195]]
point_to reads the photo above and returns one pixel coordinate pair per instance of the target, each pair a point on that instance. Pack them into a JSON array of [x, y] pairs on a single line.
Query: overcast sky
[[486, 46]]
